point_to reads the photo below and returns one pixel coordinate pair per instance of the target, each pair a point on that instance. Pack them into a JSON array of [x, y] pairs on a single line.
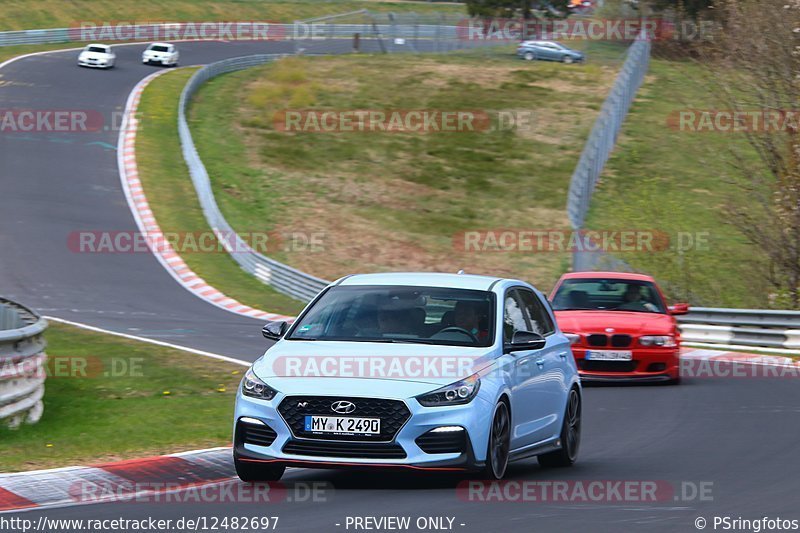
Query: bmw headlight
[[574, 338], [457, 393], [255, 388], [665, 341]]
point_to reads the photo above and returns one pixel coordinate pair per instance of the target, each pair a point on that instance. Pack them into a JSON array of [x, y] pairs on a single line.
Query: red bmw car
[[620, 326]]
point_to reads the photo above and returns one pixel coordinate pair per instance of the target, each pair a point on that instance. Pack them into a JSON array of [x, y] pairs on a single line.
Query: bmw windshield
[[402, 314], [608, 295]]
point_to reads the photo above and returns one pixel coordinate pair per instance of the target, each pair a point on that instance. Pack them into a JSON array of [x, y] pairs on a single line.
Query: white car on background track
[[162, 53], [97, 56]]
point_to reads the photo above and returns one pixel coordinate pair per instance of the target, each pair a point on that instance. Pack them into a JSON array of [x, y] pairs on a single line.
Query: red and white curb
[[135, 480], [146, 221]]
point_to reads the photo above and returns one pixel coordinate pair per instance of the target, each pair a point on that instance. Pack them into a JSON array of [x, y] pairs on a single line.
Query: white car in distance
[[97, 56], [161, 53]]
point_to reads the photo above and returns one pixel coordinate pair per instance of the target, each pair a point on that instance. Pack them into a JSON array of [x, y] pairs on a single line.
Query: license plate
[[609, 355], [341, 425]]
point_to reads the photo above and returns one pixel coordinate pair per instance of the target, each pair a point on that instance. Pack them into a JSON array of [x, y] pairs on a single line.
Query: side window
[[537, 313], [513, 316]]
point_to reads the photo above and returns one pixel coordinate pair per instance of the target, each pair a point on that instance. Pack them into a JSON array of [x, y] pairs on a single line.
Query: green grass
[[28, 14], [7, 52], [167, 184], [131, 400], [389, 201], [675, 181]]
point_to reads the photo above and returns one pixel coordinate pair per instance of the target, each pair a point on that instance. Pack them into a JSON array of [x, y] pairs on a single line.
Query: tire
[[499, 445], [529, 56], [567, 60], [251, 472], [570, 435]]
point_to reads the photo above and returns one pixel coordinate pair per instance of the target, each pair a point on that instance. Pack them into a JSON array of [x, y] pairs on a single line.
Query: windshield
[[608, 295], [97, 49], [424, 315], [157, 48]]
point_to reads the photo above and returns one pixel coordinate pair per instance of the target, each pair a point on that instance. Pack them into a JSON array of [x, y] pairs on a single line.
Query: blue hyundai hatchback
[[441, 372]]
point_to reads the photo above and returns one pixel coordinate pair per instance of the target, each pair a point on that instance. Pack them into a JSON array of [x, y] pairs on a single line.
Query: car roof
[[608, 275], [535, 41], [99, 44], [422, 279], [160, 44]]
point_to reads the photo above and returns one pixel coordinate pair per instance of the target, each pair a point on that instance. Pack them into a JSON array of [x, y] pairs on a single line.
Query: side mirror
[[274, 330], [525, 340], [678, 309]]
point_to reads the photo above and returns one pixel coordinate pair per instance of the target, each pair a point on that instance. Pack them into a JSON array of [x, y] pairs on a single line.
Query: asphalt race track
[[737, 436], [54, 184]]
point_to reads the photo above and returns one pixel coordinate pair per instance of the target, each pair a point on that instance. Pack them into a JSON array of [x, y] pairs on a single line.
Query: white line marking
[[150, 341]]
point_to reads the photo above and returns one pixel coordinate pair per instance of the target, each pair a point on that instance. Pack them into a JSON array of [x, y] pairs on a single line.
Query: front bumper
[[156, 60], [647, 365], [295, 450], [94, 64]]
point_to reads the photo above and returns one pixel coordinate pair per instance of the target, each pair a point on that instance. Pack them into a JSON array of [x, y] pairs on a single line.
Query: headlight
[[457, 393], [666, 341], [574, 338], [255, 388]]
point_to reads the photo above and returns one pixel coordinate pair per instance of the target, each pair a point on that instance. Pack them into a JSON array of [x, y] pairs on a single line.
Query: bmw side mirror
[[679, 309], [525, 340], [274, 330]]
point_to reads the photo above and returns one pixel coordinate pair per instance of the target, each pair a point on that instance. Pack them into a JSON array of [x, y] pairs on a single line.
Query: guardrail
[[741, 327], [256, 31], [22, 364], [283, 278]]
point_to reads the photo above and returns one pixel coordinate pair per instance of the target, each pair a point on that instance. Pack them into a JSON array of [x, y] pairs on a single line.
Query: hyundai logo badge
[[343, 407]]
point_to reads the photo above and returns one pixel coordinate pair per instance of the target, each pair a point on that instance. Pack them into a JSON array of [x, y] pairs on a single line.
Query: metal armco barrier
[[22, 364], [283, 278], [743, 327], [418, 29]]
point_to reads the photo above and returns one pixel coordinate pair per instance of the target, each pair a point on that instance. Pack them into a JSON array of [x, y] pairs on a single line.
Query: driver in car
[[466, 316], [634, 301]]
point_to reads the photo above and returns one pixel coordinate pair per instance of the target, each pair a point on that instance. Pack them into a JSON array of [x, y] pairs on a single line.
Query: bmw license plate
[[609, 355], [341, 425]]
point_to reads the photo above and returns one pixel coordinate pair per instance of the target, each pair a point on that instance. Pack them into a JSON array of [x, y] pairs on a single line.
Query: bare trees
[[754, 64]]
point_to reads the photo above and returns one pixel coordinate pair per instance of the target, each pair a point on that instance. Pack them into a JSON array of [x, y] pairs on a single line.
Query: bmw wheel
[[570, 435], [499, 443], [252, 472], [529, 56], [567, 59]]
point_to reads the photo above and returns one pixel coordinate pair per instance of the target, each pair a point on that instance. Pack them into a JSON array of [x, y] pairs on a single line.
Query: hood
[[335, 367], [95, 55], [628, 322]]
